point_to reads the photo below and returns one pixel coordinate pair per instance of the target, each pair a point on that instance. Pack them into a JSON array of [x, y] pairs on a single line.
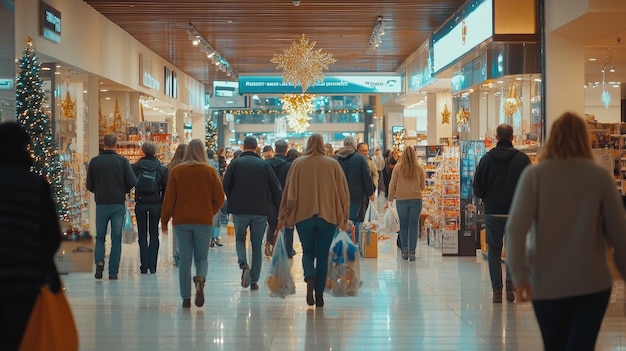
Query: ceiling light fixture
[[212, 54], [377, 33]]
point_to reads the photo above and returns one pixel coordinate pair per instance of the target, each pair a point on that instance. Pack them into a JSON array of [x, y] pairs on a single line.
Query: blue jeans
[[495, 234], [316, 235], [571, 323], [193, 241], [289, 241], [215, 230], [257, 226], [409, 212], [104, 215], [355, 208], [148, 215]]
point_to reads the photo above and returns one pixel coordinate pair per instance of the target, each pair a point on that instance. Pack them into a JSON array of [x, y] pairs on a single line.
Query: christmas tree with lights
[[31, 114], [211, 135]]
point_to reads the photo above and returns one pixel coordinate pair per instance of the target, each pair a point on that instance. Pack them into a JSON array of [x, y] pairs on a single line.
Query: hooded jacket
[[357, 173], [496, 177], [281, 166], [149, 164]]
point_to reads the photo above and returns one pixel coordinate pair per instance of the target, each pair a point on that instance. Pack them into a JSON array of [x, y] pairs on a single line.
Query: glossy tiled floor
[[435, 303]]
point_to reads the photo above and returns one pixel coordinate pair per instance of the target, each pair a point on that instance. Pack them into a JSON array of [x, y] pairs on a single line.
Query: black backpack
[[148, 181]]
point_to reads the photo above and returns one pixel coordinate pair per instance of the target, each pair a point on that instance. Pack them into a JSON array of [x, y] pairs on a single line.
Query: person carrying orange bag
[[30, 235]]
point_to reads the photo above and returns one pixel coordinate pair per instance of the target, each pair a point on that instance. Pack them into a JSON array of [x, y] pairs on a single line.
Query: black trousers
[[571, 323], [15, 308]]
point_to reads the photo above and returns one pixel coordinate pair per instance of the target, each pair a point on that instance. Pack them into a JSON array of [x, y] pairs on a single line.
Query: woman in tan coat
[[408, 180], [316, 200]]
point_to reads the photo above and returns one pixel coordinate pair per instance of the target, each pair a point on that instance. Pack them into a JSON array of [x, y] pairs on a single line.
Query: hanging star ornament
[[301, 64], [445, 115], [68, 106]]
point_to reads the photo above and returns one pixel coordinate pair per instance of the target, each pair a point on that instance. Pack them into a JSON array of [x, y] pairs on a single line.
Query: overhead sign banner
[[339, 84], [463, 33]]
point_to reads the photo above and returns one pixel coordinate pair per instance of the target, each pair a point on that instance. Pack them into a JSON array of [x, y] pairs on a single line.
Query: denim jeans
[[215, 229], [495, 234], [355, 208], [316, 235], [193, 242], [409, 212], [148, 215], [289, 240], [257, 226], [104, 215], [571, 323]]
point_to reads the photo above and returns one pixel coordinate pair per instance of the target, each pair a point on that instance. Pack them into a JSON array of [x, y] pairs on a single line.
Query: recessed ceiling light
[[518, 78], [592, 59], [103, 90], [500, 82]]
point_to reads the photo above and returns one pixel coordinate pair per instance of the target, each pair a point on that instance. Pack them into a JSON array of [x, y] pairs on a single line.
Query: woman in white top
[[568, 208], [408, 180]]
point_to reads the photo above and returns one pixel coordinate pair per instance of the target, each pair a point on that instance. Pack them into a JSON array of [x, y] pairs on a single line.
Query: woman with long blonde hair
[[564, 211], [178, 157], [408, 180], [194, 195]]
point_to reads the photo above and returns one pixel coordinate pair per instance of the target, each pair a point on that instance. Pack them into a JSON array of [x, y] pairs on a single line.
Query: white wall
[[94, 44], [594, 105]]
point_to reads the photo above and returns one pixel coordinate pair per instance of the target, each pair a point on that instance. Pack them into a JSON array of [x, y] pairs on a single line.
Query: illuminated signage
[[49, 22], [340, 84], [461, 34]]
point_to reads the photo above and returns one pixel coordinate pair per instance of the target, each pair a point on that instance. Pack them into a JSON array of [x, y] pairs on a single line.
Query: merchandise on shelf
[[74, 176]]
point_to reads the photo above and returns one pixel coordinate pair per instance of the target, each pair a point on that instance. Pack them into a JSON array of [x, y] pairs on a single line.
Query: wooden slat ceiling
[[248, 32]]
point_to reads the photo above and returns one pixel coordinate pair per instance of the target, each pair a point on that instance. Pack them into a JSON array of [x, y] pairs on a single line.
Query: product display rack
[[74, 179], [450, 201]]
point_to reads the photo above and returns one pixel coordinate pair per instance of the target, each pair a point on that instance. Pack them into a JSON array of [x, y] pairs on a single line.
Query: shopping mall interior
[[437, 76]]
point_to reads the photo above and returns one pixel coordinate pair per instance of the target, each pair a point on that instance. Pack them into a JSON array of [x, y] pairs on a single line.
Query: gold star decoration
[[445, 115], [298, 107], [301, 64], [68, 106], [462, 117]]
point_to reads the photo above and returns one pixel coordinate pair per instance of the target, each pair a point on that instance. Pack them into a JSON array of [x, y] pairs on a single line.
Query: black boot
[[319, 300], [310, 286]]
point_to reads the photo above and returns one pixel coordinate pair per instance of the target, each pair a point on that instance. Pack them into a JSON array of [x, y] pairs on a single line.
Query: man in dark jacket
[[110, 178], [359, 179], [495, 181], [148, 206], [281, 166], [252, 189]]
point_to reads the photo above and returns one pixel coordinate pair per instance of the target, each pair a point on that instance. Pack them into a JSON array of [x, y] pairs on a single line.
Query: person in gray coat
[[565, 211]]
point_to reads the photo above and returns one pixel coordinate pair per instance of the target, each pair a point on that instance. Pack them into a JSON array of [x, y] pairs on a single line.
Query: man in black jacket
[[359, 179], [495, 181], [148, 206], [252, 189], [110, 178], [281, 166]]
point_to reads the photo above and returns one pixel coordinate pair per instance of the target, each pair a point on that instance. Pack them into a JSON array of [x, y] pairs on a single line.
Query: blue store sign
[[343, 84]]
